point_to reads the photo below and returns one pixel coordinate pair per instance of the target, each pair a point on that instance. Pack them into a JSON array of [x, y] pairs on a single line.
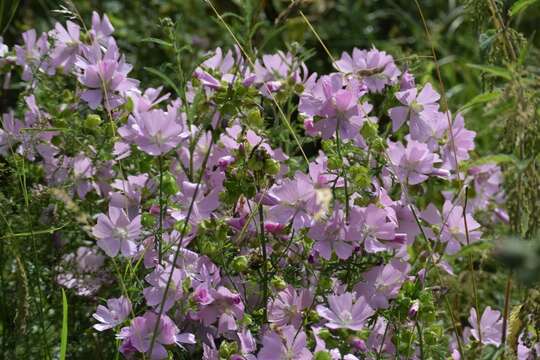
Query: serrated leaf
[[482, 98], [493, 70], [521, 5]]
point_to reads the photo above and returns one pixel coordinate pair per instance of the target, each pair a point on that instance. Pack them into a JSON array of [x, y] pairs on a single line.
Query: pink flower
[[418, 107], [114, 314], [105, 76], [141, 332], [412, 164], [375, 68], [382, 283], [287, 307], [67, 45], [345, 312], [331, 235], [490, 330], [117, 232], [288, 346]]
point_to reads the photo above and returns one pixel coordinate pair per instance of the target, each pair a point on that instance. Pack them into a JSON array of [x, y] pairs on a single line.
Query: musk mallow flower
[[117, 233], [105, 76], [330, 235], [112, 315], [158, 132], [297, 201], [222, 305], [30, 55], [158, 279], [374, 229], [102, 28], [375, 68], [412, 164], [286, 308], [459, 144], [333, 103], [382, 283], [490, 331], [451, 225], [416, 106], [141, 331], [346, 311], [67, 45], [290, 345]]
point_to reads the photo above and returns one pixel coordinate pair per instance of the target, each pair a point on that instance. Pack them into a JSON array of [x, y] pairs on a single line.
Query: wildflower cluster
[[237, 242]]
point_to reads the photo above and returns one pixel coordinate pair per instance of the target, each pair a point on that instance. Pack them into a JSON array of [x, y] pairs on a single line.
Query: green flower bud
[[378, 144], [254, 118], [255, 164], [325, 334], [334, 163], [92, 121], [278, 283], [148, 220], [240, 263], [169, 185], [56, 140], [271, 167], [369, 131]]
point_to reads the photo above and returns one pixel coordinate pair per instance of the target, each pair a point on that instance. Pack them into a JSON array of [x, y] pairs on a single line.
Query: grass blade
[[64, 334]]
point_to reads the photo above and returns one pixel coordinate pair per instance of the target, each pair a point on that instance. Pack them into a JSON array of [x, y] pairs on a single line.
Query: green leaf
[[64, 334], [482, 98], [157, 41], [493, 70], [164, 78], [521, 5], [497, 159]]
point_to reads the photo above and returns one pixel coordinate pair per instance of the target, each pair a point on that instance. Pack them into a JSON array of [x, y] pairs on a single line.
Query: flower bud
[[413, 310], [240, 263], [254, 118], [92, 121], [369, 131], [278, 283], [359, 344], [169, 185], [148, 220], [271, 167]]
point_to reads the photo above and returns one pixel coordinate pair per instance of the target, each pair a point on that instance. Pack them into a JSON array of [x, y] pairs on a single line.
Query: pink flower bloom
[[382, 283], [335, 102], [157, 132], [331, 235], [30, 55], [114, 314], [102, 29], [375, 230], [287, 307], [418, 107], [452, 225], [105, 76], [67, 45], [220, 304], [117, 233], [345, 312], [490, 330], [375, 68], [288, 346], [297, 202], [141, 332], [158, 280], [412, 164], [463, 144]]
